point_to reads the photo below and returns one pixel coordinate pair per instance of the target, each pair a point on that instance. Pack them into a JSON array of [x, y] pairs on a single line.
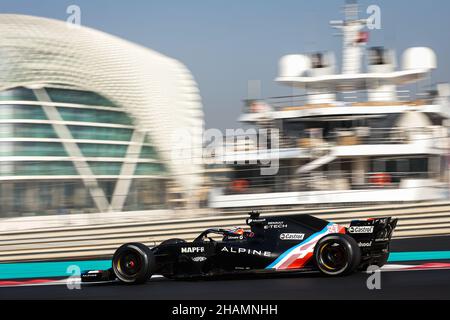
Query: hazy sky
[[225, 43]]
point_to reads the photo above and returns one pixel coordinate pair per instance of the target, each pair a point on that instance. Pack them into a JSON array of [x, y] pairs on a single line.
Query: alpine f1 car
[[271, 244]]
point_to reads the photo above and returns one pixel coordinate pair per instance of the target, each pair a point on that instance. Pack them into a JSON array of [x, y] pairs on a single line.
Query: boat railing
[[370, 136], [432, 135], [335, 182], [334, 99]]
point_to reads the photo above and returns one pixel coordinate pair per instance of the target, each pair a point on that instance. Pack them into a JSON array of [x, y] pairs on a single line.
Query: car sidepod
[[301, 255]]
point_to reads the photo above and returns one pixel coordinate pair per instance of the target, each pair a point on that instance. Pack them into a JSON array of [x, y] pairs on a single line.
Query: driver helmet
[[237, 231]]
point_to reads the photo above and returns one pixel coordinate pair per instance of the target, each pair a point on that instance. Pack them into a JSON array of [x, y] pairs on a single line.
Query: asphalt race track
[[426, 284], [395, 285]]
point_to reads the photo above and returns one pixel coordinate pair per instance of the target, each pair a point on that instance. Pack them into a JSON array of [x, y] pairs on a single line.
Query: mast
[[354, 39]]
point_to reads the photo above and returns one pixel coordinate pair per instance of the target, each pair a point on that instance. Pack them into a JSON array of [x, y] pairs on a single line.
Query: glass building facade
[[61, 155]]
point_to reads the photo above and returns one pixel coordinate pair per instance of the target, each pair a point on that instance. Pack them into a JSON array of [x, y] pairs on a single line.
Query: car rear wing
[[373, 231]]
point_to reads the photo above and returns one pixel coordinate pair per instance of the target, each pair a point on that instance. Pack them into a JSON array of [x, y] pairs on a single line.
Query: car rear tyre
[[133, 263], [337, 255]]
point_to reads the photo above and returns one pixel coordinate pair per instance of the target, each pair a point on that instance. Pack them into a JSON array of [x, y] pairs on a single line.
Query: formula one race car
[[273, 244]]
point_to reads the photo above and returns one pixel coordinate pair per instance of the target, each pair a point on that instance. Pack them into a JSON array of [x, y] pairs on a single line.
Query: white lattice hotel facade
[[88, 120]]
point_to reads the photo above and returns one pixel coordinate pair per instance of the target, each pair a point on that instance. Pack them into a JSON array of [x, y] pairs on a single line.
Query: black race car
[[273, 244]]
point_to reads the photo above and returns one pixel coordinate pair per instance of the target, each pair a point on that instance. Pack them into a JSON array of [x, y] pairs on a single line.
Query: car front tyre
[[133, 263]]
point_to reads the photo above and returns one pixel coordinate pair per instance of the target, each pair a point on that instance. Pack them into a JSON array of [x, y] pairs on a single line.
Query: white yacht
[[358, 136]]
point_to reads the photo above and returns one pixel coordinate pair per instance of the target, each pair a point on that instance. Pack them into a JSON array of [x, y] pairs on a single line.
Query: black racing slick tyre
[[337, 255], [133, 263]]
